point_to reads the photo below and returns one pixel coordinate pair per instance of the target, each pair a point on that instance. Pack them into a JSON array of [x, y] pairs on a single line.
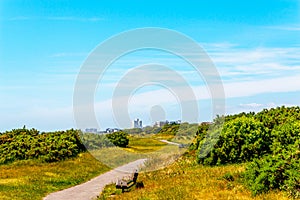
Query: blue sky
[[255, 46]]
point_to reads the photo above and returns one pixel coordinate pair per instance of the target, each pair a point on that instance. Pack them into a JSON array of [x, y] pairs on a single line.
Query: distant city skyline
[[136, 123]]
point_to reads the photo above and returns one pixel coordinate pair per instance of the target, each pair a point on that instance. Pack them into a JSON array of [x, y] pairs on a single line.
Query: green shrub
[[278, 171], [270, 139], [94, 141], [22, 144], [119, 138], [240, 140]]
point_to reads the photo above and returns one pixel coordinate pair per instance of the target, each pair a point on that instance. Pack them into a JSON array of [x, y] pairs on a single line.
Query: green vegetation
[[144, 144], [23, 144], [253, 156], [241, 139], [249, 156], [138, 147], [169, 129], [119, 139], [186, 179], [32, 179], [269, 139], [94, 141], [281, 168]]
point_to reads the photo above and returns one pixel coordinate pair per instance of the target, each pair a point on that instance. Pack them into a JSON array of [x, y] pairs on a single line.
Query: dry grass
[[188, 180], [33, 180], [144, 144], [138, 148]]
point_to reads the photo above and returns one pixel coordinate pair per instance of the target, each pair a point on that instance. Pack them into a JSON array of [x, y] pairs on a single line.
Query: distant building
[[108, 130], [162, 123], [137, 123], [91, 130], [112, 130]]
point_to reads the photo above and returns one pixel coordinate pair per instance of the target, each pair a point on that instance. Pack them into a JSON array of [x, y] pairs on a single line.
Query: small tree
[[119, 138]]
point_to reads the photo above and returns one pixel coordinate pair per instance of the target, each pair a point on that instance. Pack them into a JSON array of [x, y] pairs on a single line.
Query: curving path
[[168, 142], [91, 189]]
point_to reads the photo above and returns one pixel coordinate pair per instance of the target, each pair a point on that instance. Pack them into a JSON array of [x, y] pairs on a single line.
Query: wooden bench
[[127, 182]]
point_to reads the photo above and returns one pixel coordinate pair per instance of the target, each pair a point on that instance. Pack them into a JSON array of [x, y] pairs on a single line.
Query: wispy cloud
[[142, 102], [254, 107], [236, 63], [292, 27]]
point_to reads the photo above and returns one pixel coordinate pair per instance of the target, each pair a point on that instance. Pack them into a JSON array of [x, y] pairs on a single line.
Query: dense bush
[[20, 144], [277, 116], [200, 135], [94, 141], [169, 129], [269, 139], [275, 171], [119, 138], [241, 139], [279, 170]]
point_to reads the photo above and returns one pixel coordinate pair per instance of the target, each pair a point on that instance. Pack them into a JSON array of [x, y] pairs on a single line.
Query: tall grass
[[185, 179]]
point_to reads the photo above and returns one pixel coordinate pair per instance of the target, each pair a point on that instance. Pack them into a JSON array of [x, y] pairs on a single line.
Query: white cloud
[[250, 88], [292, 27], [251, 105], [234, 63]]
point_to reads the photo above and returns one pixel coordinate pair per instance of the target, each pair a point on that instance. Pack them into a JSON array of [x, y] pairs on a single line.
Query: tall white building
[[137, 123]]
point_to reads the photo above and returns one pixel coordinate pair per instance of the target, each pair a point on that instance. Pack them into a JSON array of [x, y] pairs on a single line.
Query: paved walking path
[[91, 189], [168, 142]]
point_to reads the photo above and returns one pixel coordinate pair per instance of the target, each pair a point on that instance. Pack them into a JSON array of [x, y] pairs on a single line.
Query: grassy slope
[[144, 145], [139, 147], [33, 180], [188, 180]]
